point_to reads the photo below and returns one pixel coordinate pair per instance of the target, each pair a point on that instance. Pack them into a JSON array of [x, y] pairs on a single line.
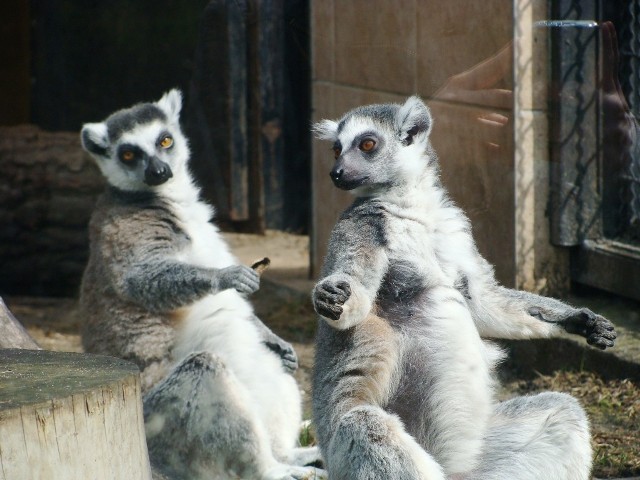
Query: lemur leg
[[369, 444], [359, 439], [534, 437], [200, 422], [504, 313]]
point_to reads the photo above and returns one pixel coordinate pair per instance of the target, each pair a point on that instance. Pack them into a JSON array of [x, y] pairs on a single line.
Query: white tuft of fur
[[412, 161], [326, 130]]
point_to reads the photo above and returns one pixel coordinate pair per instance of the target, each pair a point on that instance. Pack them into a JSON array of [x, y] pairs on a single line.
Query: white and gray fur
[[162, 289], [403, 382]]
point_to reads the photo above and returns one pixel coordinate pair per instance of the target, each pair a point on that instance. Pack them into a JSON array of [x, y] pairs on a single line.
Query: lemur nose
[[157, 172], [336, 173], [160, 171]]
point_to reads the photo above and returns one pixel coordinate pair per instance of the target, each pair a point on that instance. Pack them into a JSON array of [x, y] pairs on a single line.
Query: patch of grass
[[307, 436], [613, 407]]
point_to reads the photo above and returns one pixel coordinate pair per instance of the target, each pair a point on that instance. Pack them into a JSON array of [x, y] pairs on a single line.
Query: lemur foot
[[329, 297], [240, 278]]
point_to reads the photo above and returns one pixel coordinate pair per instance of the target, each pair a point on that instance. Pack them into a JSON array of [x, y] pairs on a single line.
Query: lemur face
[[141, 147], [378, 146]]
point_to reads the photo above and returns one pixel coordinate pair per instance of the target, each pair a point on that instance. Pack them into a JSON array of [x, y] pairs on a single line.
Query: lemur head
[[379, 146], [141, 147]]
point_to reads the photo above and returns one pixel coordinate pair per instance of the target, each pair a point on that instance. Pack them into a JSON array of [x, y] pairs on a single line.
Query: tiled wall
[[370, 51]]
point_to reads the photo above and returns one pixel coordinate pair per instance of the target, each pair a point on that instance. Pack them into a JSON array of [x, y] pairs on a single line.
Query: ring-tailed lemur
[[162, 289], [403, 383]]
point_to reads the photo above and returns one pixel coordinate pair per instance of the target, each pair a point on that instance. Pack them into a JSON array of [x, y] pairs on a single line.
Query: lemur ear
[[95, 139], [413, 120], [171, 104], [325, 130]]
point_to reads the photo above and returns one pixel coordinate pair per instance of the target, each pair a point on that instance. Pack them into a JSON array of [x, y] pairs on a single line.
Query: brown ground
[[283, 303]]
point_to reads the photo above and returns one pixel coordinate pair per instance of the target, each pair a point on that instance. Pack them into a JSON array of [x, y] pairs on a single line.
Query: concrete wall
[[462, 58]]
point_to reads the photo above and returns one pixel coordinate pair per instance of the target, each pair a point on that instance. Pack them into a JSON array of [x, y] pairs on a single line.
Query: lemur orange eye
[[367, 145], [336, 152], [127, 156], [166, 142]]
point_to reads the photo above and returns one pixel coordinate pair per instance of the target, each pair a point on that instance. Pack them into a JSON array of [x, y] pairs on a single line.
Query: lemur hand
[[241, 278], [285, 351], [598, 331], [329, 297]]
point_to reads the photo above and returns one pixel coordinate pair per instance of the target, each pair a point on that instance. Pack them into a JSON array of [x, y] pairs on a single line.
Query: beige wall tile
[[477, 170], [347, 98], [375, 43], [383, 51], [454, 36], [322, 39]]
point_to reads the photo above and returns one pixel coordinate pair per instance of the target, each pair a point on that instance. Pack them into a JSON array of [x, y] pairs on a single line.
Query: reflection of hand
[[620, 129], [475, 87], [618, 121]]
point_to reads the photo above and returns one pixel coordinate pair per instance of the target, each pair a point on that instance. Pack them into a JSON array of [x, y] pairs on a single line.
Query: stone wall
[[482, 68], [457, 56], [48, 188]]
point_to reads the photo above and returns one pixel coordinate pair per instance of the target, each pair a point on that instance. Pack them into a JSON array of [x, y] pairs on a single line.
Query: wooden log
[[48, 188], [70, 415], [12, 333]]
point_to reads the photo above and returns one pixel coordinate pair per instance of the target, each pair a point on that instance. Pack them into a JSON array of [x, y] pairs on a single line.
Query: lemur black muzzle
[[345, 181], [157, 172]]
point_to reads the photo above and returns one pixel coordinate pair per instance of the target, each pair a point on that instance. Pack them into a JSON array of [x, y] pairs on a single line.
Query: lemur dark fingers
[[286, 353], [290, 364], [599, 341], [329, 296], [241, 278], [598, 331], [332, 312], [340, 288]]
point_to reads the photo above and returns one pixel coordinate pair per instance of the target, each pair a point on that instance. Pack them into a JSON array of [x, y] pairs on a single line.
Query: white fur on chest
[[434, 240], [206, 247]]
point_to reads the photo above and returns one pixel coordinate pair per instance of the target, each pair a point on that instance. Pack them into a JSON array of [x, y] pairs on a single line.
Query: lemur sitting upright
[[403, 384], [162, 289]]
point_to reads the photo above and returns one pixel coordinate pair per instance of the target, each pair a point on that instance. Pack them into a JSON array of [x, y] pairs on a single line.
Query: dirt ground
[[283, 302]]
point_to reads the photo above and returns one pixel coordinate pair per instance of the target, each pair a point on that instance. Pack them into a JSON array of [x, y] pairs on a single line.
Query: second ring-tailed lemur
[[403, 384], [162, 289]]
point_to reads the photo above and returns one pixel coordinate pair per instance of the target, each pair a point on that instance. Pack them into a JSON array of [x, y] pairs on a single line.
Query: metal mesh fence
[[629, 37]]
